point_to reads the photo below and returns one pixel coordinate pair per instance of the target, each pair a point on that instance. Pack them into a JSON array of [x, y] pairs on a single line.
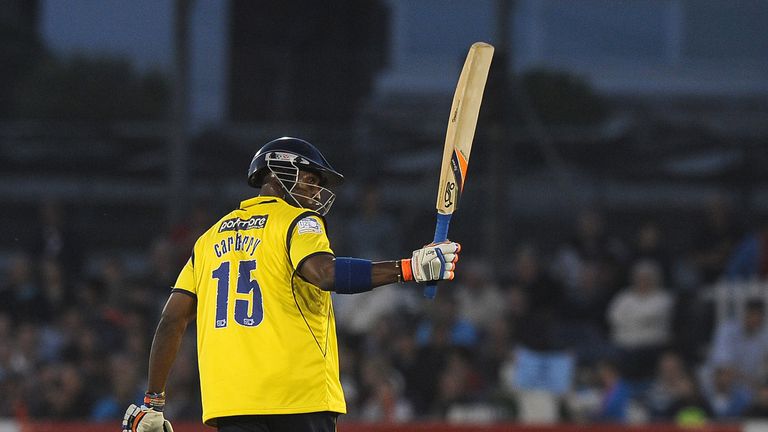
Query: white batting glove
[[143, 419], [433, 262]]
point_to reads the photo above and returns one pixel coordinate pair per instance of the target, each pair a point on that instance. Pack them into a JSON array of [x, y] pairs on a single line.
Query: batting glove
[[143, 419], [433, 262]]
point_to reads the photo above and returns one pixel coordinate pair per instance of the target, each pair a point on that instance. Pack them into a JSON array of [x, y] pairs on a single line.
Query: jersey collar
[[260, 200]]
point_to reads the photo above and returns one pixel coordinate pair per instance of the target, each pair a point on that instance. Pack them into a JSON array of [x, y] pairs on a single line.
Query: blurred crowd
[[602, 327]]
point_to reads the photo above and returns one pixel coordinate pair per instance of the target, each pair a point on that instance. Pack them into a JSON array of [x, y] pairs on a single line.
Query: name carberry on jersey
[[237, 224], [238, 242]]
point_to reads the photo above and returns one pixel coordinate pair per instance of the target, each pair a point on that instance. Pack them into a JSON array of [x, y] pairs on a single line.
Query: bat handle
[[441, 235]]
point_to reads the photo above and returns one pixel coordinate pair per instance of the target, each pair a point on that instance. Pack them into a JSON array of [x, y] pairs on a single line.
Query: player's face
[[307, 190]]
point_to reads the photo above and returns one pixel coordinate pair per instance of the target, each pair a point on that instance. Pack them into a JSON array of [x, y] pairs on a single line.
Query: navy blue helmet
[[303, 155]]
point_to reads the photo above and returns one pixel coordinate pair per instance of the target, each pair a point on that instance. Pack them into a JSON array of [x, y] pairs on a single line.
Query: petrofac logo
[[237, 224]]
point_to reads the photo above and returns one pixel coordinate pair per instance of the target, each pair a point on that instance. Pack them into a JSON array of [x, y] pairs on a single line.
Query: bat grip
[[441, 235]]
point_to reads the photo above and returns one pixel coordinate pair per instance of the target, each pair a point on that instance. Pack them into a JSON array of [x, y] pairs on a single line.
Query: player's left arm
[[320, 271], [351, 275]]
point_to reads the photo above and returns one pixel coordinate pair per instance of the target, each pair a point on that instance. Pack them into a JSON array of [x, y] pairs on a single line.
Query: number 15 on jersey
[[249, 308]]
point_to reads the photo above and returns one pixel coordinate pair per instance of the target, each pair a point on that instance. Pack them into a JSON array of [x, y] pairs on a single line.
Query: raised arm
[[319, 270], [352, 275]]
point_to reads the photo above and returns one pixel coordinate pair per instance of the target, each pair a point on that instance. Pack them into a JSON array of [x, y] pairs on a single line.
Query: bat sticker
[[448, 197], [459, 168]]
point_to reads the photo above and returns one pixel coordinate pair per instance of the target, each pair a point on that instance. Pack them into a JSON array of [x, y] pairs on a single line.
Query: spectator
[[55, 289], [742, 345], [385, 401], [669, 386], [27, 348], [496, 347], [359, 314], [55, 240], [430, 360], [163, 267], [349, 361], [124, 385], [459, 387], [62, 394], [537, 329], [60, 338], [727, 397], [480, 300], [12, 396], [419, 366], [6, 357], [640, 318], [379, 341], [582, 315], [585, 400], [750, 258], [445, 318], [374, 230], [515, 310], [649, 246], [714, 240], [690, 408], [616, 394], [112, 276], [590, 242], [758, 409], [185, 383], [184, 233], [20, 295]]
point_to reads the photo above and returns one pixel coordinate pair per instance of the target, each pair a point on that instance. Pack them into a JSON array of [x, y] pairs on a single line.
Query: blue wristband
[[352, 275]]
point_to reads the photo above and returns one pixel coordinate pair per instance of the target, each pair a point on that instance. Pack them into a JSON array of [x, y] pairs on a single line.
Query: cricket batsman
[[259, 284]]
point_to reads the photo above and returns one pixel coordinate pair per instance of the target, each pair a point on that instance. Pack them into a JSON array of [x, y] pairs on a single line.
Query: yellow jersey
[[266, 338]]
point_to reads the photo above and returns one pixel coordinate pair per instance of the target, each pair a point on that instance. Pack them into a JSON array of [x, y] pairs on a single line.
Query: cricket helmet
[[295, 152], [284, 158]]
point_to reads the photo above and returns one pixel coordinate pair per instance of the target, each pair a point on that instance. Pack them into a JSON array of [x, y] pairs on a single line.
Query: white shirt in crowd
[[640, 320]]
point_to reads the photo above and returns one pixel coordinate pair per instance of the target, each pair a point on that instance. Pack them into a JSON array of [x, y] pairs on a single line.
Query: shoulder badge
[[309, 225]]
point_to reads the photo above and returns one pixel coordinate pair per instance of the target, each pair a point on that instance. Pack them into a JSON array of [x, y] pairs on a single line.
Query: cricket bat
[[458, 140]]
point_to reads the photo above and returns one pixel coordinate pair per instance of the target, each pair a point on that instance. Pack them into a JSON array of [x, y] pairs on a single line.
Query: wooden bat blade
[[461, 126], [458, 140]]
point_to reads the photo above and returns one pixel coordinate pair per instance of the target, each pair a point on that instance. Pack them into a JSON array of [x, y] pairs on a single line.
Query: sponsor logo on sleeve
[[237, 224], [309, 225]]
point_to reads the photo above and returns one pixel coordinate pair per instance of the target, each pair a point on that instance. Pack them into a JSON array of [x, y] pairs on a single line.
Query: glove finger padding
[[129, 417], [435, 262], [143, 419]]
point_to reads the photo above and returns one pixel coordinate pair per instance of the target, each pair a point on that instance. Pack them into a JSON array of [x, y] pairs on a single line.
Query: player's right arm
[[178, 312]]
